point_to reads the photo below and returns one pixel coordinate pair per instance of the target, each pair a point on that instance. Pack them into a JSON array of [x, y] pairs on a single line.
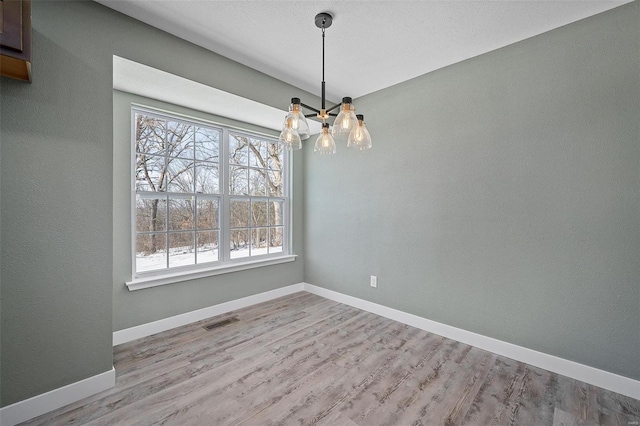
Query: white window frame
[[225, 264]]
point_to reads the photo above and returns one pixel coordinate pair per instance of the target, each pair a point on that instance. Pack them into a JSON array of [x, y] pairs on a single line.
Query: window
[[205, 195]]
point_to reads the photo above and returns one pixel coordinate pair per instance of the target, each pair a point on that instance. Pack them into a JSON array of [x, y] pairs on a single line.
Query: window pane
[[258, 153], [259, 241], [181, 249], [151, 252], [275, 213], [179, 140], [239, 213], [275, 239], [238, 180], [258, 213], [207, 144], [207, 178], [207, 246], [275, 183], [238, 150], [150, 134], [257, 182], [275, 156], [149, 173], [151, 214], [239, 243], [207, 214], [181, 214], [180, 175]]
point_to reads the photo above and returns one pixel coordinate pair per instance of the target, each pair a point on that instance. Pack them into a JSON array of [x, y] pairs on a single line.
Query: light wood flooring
[[302, 359]]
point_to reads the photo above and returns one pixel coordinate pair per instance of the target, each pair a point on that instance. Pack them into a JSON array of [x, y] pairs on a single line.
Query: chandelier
[[346, 125]]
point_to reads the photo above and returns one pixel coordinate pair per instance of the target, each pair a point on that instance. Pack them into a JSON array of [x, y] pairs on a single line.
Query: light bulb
[[325, 143], [298, 121], [346, 120], [289, 137], [359, 137], [294, 121]]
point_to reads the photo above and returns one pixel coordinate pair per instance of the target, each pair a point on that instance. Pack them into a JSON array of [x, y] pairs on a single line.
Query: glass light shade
[[345, 122], [325, 143], [298, 121], [290, 138], [359, 138]]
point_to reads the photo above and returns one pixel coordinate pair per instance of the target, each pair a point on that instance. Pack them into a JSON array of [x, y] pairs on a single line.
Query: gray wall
[[57, 196], [501, 196]]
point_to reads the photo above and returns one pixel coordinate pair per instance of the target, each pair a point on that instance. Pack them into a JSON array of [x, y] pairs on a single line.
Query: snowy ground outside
[[186, 256]]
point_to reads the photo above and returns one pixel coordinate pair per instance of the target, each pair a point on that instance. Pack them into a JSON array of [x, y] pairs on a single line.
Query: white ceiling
[[371, 45]]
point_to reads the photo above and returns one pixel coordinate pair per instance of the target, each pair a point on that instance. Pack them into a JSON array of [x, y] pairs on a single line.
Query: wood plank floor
[[302, 359]]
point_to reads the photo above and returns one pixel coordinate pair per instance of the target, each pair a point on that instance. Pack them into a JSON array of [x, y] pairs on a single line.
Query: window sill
[[176, 277]]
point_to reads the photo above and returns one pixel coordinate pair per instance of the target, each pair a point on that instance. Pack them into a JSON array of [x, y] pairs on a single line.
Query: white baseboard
[[584, 373], [574, 370], [144, 330], [57, 398], [40, 404]]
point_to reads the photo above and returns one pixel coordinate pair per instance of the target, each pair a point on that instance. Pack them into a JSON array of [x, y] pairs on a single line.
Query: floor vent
[[222, 323]]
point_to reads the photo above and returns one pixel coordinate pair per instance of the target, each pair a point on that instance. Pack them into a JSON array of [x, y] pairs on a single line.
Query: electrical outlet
[[374, 281]]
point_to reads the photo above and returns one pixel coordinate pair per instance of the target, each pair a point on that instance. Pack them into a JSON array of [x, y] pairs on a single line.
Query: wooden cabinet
[[15, 39]]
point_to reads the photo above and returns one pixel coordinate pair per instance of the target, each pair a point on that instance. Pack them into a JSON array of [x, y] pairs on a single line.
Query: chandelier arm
[[309, 107], [331, 114], [334, 107]]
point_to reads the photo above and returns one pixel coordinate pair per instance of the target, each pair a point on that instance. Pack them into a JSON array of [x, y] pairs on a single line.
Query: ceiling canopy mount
[[324, 20]]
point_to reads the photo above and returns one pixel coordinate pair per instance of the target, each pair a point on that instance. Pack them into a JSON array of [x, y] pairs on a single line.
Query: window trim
[[235, 265], [224, 265]]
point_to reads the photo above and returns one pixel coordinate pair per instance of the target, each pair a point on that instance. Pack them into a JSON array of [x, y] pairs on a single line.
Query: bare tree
[[183, 159], [256, 170], [162, 161]]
